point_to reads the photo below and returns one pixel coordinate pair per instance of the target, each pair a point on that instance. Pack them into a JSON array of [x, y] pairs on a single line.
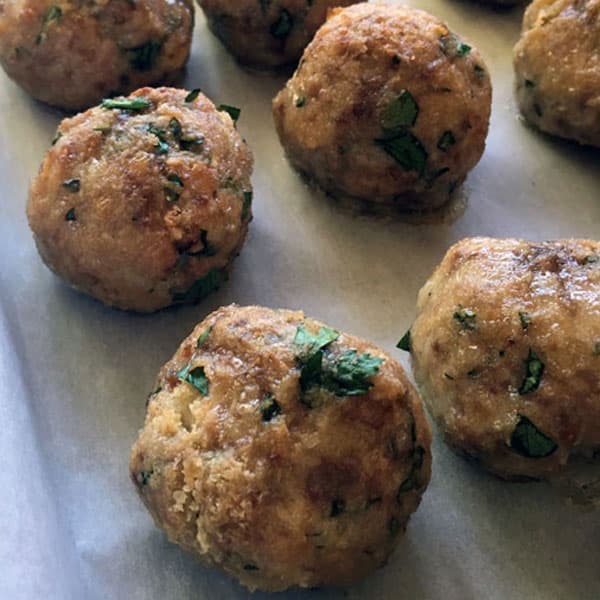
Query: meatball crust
[[557, 68], [387, 105], [506, 350], [144, 201], [73, 53], [282, 451], [267, 34]]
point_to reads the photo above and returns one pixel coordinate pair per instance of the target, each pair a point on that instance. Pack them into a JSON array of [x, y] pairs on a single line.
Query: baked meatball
[[73, 53], [282, 451], [557, 68], [267, 34], [144, 201], [506, 350], [387, 105]]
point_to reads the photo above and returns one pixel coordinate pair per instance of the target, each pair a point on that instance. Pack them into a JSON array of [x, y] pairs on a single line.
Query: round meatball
[[387, 105], [506, 349], [144, 201], [73, 53], [557, 68], [282, 451], [267, 34]]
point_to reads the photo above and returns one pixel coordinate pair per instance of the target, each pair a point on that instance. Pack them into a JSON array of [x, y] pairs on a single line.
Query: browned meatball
[[271, 33], [144, 201], [73, 53], [557, 67], [387, 105], [282, 451], [506, 349]]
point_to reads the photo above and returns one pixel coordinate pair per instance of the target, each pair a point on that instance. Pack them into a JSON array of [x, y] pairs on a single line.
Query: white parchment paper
[[74, 375]]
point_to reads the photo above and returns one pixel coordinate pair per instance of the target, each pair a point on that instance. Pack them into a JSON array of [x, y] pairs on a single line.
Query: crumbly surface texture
[[387, 105], [144, 201], [267, 34], [279, 470], [506, 351], [71, 54], [557, 68]]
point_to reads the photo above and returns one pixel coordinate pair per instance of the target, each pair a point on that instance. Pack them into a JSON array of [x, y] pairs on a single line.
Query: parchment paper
[[74, 375]]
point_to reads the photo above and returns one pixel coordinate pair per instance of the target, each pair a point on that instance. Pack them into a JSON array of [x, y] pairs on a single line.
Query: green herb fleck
[[349, 374], [406, 150], [452, 46], [247, 204], [412, 480], [529, 84], [527, 440], [338, 506], [466, 318], [203, 338], [143, 58], [73, 185], [192, 95], [269, 408], [207, 249], [596, 351], [404, 343], [233, 111], [281, 28], [448, 376], [56, 137], [300, 101], [525, 319], [70, 216], [196, 377], [446, 140], [534, 370], [54, 13], [201, 288], [143, 477], [310, 343], [401, 112], [591, 259], [130, 104], [162, 147]]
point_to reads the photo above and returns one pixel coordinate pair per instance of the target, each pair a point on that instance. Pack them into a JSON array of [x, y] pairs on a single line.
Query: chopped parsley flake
[[192, 95], [534, 370], [233, 111], [203, 338], [196, 377], [201, 287], [130, 104], [525, 319], [281, 28], [401, 112], [269, 408], [404, 343], [406, 150], [446, 140], [466, 318], [527, 440]]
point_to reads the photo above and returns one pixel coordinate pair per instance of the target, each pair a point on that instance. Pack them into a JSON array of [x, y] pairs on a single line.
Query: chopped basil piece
[[311, 343], [56, 137], [233, 111], [534, 370], [525, 319], [282, 27], [349, 374], [130, 104], [175, 179], [196, 377], [172, 195], [175, 128], [73, 185], [247, 205], [406, 150], [527, 440], [401, 112], [70, 216], [404, 343], [143, 477], [203, 338], [300, 101], [452, 46], [466, 318], [162, 147], [338, 506], [412, 480], [192, 95], [54, 13], [269, 408], [143, 58], [446, 140], [201, 287]]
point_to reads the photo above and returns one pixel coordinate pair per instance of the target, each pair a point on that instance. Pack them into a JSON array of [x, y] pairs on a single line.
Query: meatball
[[73, 53], [282, 451], [387, 105], [506, 350], [143, 201], [557, 68], [267, 34]]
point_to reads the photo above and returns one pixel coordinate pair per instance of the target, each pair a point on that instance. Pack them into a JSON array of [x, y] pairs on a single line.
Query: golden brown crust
[[313, 496], [267, 34], [472, 366], [329, 116], [134, 221], [557, 67], [73, 53]]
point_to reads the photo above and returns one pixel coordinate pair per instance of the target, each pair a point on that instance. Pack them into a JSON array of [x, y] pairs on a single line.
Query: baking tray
[[74, 375]]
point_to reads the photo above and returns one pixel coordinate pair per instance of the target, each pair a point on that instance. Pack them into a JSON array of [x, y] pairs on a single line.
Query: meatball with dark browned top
[[506, 350], [387, 105], [73, 53], [267, 33], [282, 451], [144, 201]]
